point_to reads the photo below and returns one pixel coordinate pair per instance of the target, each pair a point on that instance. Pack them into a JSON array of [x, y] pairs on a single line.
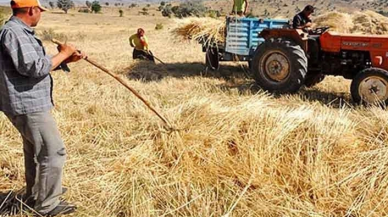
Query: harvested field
[[239, 151]]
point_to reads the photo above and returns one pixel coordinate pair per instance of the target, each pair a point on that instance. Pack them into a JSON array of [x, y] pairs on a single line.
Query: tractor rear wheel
[[370, 87], [280, 66]]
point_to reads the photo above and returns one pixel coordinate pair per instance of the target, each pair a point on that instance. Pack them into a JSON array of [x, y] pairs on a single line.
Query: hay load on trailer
[[366, 22], [233, 40], [203, 30]]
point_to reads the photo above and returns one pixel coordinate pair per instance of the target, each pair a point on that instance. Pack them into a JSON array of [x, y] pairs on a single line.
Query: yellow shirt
[[239, 5], [135, 42]]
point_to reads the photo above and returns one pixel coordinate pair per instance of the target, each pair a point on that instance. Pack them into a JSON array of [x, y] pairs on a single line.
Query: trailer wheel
[[370, 87], [212, 58], [280, 66]]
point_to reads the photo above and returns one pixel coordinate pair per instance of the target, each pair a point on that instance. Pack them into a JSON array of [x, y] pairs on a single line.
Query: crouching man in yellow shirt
[[140, 44]]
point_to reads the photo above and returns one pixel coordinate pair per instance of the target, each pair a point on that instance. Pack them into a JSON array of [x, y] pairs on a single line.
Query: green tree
[[190, 8], [65, 5], [167, 11], [163, 3], [52, 5], [96, 7], [121, 12], [88, 4]]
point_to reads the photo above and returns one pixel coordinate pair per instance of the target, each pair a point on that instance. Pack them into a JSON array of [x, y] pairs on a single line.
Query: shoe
[[64, 190], [63, 208], [30, 202]]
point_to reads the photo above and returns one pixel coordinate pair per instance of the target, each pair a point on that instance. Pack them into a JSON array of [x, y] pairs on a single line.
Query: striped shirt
[[25, 80]]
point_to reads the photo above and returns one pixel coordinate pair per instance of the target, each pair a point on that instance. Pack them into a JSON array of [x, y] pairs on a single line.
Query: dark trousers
[[313, 50], [140, 54]]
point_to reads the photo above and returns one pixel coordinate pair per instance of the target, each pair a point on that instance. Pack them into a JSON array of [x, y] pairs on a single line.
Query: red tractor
[[290, 59]]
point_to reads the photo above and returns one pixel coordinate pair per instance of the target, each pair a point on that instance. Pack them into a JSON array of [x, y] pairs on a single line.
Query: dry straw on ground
[[240, 152]]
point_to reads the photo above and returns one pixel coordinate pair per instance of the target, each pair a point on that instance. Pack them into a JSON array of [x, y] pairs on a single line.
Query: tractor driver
[[302, 20]]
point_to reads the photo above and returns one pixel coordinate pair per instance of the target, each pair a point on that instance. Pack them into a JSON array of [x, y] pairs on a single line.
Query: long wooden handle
[[124, 83], [159, 60]]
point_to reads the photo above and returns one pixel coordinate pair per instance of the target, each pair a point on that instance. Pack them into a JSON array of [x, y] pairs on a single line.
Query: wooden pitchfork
[[124, 83]]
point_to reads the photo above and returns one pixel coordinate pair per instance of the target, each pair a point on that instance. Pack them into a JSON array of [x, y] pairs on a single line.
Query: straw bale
[[204, 30]]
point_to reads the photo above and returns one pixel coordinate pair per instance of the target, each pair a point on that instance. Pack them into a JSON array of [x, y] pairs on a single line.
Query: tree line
[[66, 5]]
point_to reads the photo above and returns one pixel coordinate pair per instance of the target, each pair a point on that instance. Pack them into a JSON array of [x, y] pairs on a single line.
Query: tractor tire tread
[[298, 63], [354, 87]]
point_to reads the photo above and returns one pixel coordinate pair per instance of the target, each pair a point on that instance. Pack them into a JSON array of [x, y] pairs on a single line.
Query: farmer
[[26, 99], [302, 20], [240, 7], [140, 44]]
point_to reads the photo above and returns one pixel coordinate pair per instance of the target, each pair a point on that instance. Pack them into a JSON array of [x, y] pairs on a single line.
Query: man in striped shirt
[[26, 99]]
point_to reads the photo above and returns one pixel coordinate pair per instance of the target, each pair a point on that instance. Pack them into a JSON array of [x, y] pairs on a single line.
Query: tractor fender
[[295, 35]]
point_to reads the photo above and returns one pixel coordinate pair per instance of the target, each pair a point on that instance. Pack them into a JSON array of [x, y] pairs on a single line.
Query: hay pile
[[204, 30], [208, 30], [368, 22]]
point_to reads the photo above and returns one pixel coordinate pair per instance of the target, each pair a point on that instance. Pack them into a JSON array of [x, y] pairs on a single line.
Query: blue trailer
[[241, 40]]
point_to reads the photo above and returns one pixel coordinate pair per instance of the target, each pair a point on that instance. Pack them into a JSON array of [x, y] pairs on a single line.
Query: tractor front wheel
[[370, 87], [280, 66]]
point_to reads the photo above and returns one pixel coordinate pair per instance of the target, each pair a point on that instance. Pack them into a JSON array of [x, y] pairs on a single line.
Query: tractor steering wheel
[[320, 30]]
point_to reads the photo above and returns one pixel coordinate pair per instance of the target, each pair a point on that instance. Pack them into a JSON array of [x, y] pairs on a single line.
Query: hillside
[[288, 8], [282, 7]]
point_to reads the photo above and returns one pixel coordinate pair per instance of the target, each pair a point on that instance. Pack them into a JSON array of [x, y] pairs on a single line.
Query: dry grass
[[205, 30], [4, 14], [367, 22], [240, 152]]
